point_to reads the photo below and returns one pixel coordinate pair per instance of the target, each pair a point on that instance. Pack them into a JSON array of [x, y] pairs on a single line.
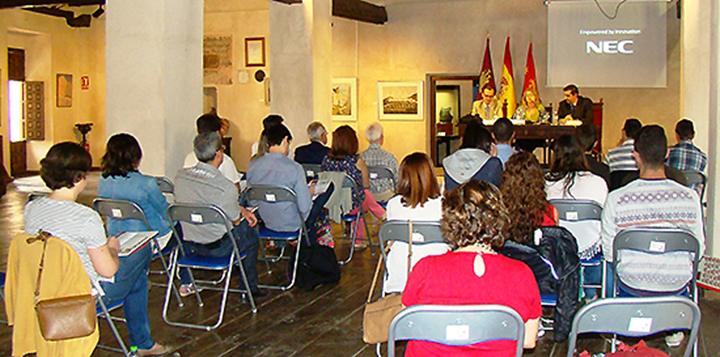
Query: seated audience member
[[474, 159], [418, 200], [381, 188], [475, 223], [121, 180], [314, 152], [64, 171], [205, 184], [489, 108], [212, 123], [620, 158], [587, 136], [652, 201], [523, 190], [276, 169], [685, 155], [670, 172], [504, 133], [343, 157], [260, 147]]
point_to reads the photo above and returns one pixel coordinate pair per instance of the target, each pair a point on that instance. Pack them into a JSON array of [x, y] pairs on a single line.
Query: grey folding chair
[[165, 185], [657, 241], [636, 317], [582, 211], [381, 172], [124, 209], [278, 196], [312, 171], [457, 325], [354, 220], [200, 214], [103, 311], [398, 231], [697, 181]]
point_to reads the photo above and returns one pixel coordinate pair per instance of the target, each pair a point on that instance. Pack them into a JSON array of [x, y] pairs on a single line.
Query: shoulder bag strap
[[42, 236]]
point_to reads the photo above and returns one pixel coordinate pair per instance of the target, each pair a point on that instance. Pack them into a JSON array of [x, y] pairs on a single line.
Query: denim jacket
[[142, 190]]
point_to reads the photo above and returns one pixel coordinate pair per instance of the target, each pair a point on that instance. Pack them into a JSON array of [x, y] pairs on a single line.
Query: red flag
[[486, 73], [530, 76], [506, 94]]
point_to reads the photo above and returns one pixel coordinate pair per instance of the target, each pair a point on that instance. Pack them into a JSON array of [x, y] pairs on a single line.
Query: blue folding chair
[[2, 287], [200, 214], [276, 195], [103, 311]]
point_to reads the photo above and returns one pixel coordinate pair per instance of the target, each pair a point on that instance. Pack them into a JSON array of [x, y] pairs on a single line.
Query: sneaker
[[187, 290], [675, 339]]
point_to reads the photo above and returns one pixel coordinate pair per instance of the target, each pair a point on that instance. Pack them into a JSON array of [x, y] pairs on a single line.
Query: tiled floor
[[324, 322]]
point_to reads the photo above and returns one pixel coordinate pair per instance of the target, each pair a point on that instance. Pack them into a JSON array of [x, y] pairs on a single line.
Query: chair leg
[[115, 332], [294, 270], [264, 258], [353, 235], [247, 286], [167, 271]]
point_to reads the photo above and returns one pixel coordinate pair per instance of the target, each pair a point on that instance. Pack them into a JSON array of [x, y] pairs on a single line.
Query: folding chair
[[312, 171], [2, 294], [103, 311], [697, 181], [276, 195], [199, 214], [124, 209], [637, 317], [398, 231], [354, 220], [165, 185], [657, 241], [458, 325], [379, 173], [572, 212]]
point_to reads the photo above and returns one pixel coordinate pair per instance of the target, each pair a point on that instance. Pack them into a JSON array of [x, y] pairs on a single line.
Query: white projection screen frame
[[588, 49]]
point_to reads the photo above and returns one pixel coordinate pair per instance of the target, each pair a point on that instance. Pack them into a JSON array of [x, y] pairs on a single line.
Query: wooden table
[[542, 131]]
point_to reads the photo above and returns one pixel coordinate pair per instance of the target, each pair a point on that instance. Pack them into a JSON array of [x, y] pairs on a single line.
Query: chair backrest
[[577, 210], [272, 194], [381, 172], [696, 179], [637, 317], [165, 185], [198, 214], [457, 325], [311, 170], [657, 241], [120, 209], [349, 182], [427, 232]]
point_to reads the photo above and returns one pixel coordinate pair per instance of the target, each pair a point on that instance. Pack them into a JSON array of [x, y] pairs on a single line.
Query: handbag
[[65, 317], [378, 315]]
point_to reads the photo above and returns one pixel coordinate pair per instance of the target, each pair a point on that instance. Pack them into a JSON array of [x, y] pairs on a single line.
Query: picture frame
[[402, 100], [63, 90], [255, 52], [344, 99]]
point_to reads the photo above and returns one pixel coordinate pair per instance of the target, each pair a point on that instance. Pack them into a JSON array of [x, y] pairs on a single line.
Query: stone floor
[[324, 322]]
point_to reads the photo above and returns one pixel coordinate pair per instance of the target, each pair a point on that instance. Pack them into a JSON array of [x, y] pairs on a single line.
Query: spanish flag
[[530, 76], [506, 94], [487, 79]]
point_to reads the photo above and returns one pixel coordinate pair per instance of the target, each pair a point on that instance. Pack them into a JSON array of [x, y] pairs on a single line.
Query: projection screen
[[587, 48]]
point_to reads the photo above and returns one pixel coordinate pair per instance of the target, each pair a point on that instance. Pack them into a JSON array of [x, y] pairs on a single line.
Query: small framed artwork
[[400, 100], [64, 90], [255, 52], [344, 99]]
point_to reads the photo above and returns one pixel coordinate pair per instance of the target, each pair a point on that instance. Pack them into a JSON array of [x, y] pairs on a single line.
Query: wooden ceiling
[[350, 9]]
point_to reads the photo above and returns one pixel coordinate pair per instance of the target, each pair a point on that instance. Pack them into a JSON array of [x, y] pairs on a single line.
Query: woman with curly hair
[[523, 189], [475, 223]]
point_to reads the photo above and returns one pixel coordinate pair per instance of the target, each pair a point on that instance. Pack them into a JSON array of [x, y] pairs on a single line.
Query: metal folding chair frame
[[204, 214], [312, 171], [637, 317], [437, 323], [104, 312], [165, 185], [125, 209], [275, 194], [697, 177], [349, 183]]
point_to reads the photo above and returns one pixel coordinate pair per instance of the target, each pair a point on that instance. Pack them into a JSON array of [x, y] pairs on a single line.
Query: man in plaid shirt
[[685, 155], [382, 189]]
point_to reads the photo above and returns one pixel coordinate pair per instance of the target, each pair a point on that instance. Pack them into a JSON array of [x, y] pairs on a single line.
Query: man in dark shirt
[[587, 135], [575, 106], [314, 152]]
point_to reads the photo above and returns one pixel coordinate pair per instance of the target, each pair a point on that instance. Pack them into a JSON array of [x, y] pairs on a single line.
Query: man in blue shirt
[[504, 133], [685, 155]]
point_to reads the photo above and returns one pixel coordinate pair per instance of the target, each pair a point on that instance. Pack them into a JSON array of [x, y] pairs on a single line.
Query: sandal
[[187, 290], [157, 350]]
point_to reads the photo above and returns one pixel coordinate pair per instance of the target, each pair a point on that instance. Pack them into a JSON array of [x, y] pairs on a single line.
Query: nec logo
[[610, 47]]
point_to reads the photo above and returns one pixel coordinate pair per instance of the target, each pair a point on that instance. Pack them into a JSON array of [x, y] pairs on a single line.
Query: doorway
[[16, 109]]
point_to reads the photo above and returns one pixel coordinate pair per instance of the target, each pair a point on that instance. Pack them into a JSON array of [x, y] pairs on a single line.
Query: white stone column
[[154, 77], [300, 64], [713, 196]]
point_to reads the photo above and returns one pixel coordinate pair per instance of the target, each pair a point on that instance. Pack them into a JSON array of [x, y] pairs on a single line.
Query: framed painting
[[400, 100], [64, 90], [344, 99], [255, 52]]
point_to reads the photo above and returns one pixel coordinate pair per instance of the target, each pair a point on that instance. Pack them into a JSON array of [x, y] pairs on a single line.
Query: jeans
[[131, 284], [247, 240]]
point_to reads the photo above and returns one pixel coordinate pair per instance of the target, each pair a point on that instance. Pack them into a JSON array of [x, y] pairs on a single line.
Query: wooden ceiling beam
[[354, 10], [4, 4]]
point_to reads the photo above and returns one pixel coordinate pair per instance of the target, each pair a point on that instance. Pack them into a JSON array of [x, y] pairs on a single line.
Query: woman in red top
[[475, 222], [523, 191]]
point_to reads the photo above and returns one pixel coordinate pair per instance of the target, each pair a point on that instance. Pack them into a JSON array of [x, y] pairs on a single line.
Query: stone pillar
[[713, 196], [300, 64], [154, 77]]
